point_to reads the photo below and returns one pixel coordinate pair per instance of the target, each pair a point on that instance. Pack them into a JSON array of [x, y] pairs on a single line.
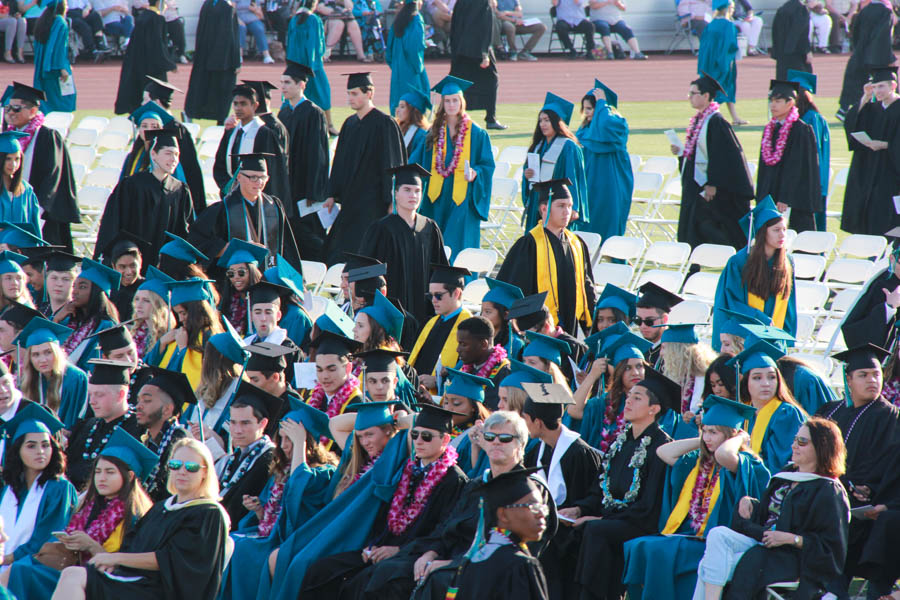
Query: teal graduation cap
[[559, 105], [768, 333], [763, 212], [615, 297], [157, 282], [179, 248], [759, 355], [736, 321], [680, 333], [229, 346], [9, 141], [151, 110], [374, 414], [241, 251], [103, 277], [726, 413], [596, 341], [546, 347], [467, 385], [806, 80], [386, 315], [127, 448], [189, 290], [501, 293], [285, 274], [313, 420], [335, 320], [34, 418], [41, 331], [15, 234], [627, 345], [421, 102], [450, 85], [720, 4], [11, 262], [522, 373], [612, 98]]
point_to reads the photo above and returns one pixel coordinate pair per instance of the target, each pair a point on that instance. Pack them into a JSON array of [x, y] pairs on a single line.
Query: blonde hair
[[737, 342], [160, 321], [358, 458], [515, 398], [210, 487], [216, 373], [683, 362], [31, 378], [729, 432]]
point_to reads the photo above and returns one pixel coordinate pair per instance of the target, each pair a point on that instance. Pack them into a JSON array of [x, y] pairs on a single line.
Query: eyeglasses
[[427, 436], [649, 321], [801, 441], [436, 296], [190, 467], [503, 438], [231, 274], [255, 178], [693, 93], [16, 108], [536, 508]]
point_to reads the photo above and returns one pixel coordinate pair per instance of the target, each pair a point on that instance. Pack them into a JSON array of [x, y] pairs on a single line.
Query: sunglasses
[[16, 108], [436, 296], [190, 467], [536, 508], [231, 274], [427, 436], [504, 438], [801, 441], [649, 321]]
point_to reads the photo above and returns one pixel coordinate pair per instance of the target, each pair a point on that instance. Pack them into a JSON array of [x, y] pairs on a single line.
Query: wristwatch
[[797, 540]]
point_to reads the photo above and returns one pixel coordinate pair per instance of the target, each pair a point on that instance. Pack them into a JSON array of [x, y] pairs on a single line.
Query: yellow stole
[[460, 185], [780, 308], [135, 162], [114, 541], [190, 366], [546, 273], [683, 506], [761, 425], [448, 352]]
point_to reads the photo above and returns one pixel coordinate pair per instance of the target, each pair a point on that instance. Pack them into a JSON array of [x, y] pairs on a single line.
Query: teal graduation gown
[[49, 60], [608, 175], [416, 145], [297, 323], [665, 567], [811, 391], [717, 56], [731, 294], [305, 494], [54, 511], [23, 208], [461, 225], [823, 148], [783, 426], [73, 398], [569, 164], [306, 45], [406, 56]]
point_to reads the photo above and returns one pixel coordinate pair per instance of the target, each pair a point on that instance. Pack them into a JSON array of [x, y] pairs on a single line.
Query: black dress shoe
[[496, 125]]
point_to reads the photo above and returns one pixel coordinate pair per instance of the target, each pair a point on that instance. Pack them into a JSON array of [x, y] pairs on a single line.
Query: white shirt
[[247, 141]]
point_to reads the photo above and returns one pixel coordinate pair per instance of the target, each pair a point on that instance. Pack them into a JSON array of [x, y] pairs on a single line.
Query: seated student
[[733, 334], [180, 260], [267, 369], [809, 388], [13, 320], [294, 317], [615, 305], [877, 562], [464, 396], [873, 317], [47, 377], [60, 271], [265, 314], [495, 306], [244, 472], [530, 314], [177, 549], [720, 379], [797, 530], [381, 374], [479, 355], [152, 316], [117, 344], [707, 476], [685, 361], [13, 281], [125, 254], [546, 353], [336, 387], [243, 262], [652, 315], [569, 466], [300, 477], [379, 325], [333, 319], [367, 281], [778, 416], [108, 393], [625, 501], [511, 395], [109, 510]]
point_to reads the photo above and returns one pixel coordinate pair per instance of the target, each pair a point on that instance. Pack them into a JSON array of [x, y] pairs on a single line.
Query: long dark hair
[[559, 128], [14, 469], [15, 183], [201, 323], [99, 306], [726, 375], [304, 10], [316, 455], [590, 99], [229, 291], [132, 494], [501, 336], [404, 17], [760, 279], [826, 438], [782, 392], [45, 22], [805, 103], [616, 388]]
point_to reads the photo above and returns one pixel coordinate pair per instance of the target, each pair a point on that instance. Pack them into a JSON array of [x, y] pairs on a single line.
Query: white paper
[[438, 377], [534, 163], [67, 87], [862, 137], [305, 376], [575, 371], [673, 138], [860, 511], [303, 209], [530, 22], [565, 518], [468, 171], [327, 218], [897, 204]]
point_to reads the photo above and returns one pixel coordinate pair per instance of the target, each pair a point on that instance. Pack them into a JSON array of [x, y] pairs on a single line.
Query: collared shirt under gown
[[406, 56], [870, 38], [216, 61]]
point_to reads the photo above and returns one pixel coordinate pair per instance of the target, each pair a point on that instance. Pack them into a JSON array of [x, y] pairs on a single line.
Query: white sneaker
[[267, 59], [527, 56]]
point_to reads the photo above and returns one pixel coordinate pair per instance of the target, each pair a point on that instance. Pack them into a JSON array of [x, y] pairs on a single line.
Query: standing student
[[147, 116], [718, 55], [52, 71], [405, 53], [146, 54], [216, 61], [809, 114], [125, 254], [410, 116], [870, 37], [790, 39], [18, 202], [472, 57], [306, 46]]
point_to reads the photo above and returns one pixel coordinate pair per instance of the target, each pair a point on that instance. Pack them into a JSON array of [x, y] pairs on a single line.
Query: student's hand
[[688, 416], [475, 432], [529, 173], [573, 512], [436, 564], [485, 62], [809, 57], [676, 150], [67, 310], [471, 174], [181, 337], [580, 522], [382, 552], [105, 561], [892, 298], [709, 192], [868, 92], [781, 206], [329, 204], [294, 431], [862, 493], [251, 503], [422, 564], [79, 541], [167, 338], [428, 381], [86, 10], [599, 367], [745, 507], [877, 510], [230, 122], [773, 539], [580, 376]]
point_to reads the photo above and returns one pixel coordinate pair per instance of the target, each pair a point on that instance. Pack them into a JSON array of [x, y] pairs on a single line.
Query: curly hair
[[14, 469], [683, 362]]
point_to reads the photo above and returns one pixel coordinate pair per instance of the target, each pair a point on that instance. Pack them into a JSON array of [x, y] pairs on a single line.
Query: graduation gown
[[437, 340], [408, 253], [871, 320], [359, 180], [569, 164], [717, 56], [23, 208], [870, 38], [790, 39], [874, 177], [459, 222], [123, 298], [56, 506], [609, 181], [794, 180], [189, 543], [51, 175], [723, 166], [810, 390], [414, 140], [520, 268], [216, 61], [146, 55], [823, 149], [251, 483], [50, 59], [406, 56], [87, 440], [89, 347], [878, 562], [266, 141], [731, 294], [306, 45], [73, 401], [776, 432], [155, 483], [471, 32], [296, 322]]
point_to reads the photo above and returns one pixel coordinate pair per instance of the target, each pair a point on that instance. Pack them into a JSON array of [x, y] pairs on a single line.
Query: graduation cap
[[759, 355], [246, 91], [521, 373], [421, 102], [355, 261], [179, 248], [546, 401], [596, 341], [626, 346], [156, 281], [174, 383], [553, 189], [189, 290], [37, 255], [707, 84], [720, 4], [868, 356], [230, 347], [467, 385], [359, 80], [266, 293], [263, 95], [110, 372], [286, 275], [546, 347], [666, 391], [735, 324], [508, 488], [374, 414], [14, 235], [106, 279], [20, 315], [334, 320], [559, 105], [380, 360], [266, 356], [162, 138], [612, 98], [11, 262], [726, 413], [408, 174], [437, 418], [762, 213], [528, 311], [783, 89], [449, 275], [386, 315], [162, 90], [254, 161], [242, 251], [33, 418], [39, 330], [125, 242], [768, 333], [333, 343], [450, 85], [882, 73], [680, 333], [113, 338], [806, 80], [368, 279], [313, 420], [151, 110], [266, 404], [20, 91], [9, 142], [7, 95], [501, 293], [615, 297], [297, 71], [127, 448], [655, 296]]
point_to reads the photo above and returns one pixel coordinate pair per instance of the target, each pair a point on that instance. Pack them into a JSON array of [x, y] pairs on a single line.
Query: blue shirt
[[570, 12]]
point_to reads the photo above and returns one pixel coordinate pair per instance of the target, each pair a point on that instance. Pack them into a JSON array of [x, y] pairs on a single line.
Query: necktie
[[236, 149]]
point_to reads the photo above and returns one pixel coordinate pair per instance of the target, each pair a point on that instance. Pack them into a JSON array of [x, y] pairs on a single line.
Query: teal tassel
[[230, 185], [479, 541], [847, 399], [509, 342]]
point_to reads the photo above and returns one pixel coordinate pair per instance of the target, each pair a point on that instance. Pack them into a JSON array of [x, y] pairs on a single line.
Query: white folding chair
[[838, 182], [859, 245], [313, 273], [823, 364], [806, 325], [789, 236], [843, 301], [635, 162], [331, 282], [808, 266], [501, 168], [193, 129], [671, 192], [664, 165], [689, 311], [815, 242], [844, 272], [476, 260], [753, 168], [211, 188], [811, 297], [617, 274], [592, 241], [120, 125], [213, 133], [94, 122], [668, 280], [208, 149], [113, 159], [621, 247], [78, 171], [113, 140], [83, 137], [473, 293], [711, 256], [505, 214], [669, 254], [83, 155], [105, 177], [495, 150], [318, 307], [648, 188], [514, 155], [448, 251], [60, 121], [701, 286], [827, 330], [207, 164]]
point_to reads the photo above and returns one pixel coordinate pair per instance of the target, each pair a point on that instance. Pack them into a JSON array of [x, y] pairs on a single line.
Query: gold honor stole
[[448, 352], [778, 314], [460, 185], [546, 273], [683, 506], [763, 416], [190, 366]]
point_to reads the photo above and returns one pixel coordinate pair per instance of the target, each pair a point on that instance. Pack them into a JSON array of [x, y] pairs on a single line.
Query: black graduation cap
[[449, 275], [367, 272], [510, 487], [162, 138], [268, 405], [546, 400], [19, 315], [159, 89], [255, 161], [869, 356], [27, 93], [358, 80], [266, 292], [262, 94], [882, 73], [266, 356], [110, 372], [894, 235], [247, 91], [409, 174], [785, 89], [354, 261], [298, 71], [654, 296], [434, 417], [554, 189], [528, 306], [37, 255], [380, 360], [331, 343], [126, 242], [113, 338], [58, 260], [666, 391], [174, 383], [711, 85]]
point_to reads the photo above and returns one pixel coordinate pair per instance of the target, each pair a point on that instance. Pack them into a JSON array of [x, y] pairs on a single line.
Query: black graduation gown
[[79, 468], [870, 38], [868, 321], [794, 180], [189, 544], [123, 298], [509, 572], [408, 253], [790, 39], [190, 164], [879, 561], [266, 141], [817, 511], [716, 222], [146, 55], [53, 180], [147, 207], [307, 171], [519, 268], [157, 488], [216, 60], [426, 360], [359, 179], [597, 548], [874, 177], [252, 483], [471, 31]]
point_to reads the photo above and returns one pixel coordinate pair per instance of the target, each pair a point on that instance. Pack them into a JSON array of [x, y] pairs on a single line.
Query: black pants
[[601, 558], [802, 220], [175, 31], [586, 28], [278, 23], [86, 27]]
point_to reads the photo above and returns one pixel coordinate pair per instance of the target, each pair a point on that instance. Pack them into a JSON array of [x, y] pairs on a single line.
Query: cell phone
[[60, 534]]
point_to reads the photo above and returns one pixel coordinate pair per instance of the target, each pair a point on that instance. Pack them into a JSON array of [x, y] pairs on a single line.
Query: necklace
[[773, 156], [90, 453], [694, 127], [636, 463], [498, 355], [256, 448], [855, 419], [337, 402], [410, 499], [152, 483], [702, 493], [613, 425], [440, 148]]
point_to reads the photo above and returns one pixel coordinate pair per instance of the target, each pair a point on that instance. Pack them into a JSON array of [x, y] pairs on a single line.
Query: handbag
[[56, 556]]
